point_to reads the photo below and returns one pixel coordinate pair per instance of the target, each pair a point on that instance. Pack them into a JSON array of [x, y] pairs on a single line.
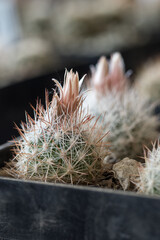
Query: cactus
[[60, 144], [150, 172], [123, 112], [147, 81]]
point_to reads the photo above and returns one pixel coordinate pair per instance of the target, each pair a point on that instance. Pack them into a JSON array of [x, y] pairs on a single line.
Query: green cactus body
[[58, 155]]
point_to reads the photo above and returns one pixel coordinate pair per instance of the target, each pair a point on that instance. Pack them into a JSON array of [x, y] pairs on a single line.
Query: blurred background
[[38, 39]]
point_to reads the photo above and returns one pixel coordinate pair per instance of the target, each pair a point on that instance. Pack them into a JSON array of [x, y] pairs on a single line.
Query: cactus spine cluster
[[60, 144]]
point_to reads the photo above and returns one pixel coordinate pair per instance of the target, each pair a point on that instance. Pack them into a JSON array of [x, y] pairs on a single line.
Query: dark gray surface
[[41, 211], [30, 211], [5, 153]]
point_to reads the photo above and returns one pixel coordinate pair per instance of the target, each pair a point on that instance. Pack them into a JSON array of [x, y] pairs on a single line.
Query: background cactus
[[60, 144], [150, 172], [124, 113], [147, 81]]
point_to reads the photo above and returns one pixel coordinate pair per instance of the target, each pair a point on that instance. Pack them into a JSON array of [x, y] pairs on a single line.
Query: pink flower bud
[[116, 72], [101, 72], [69, 94], [109, 75]]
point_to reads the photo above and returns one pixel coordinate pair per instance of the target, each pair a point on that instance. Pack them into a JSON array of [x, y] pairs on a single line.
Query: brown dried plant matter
[[126, 171]]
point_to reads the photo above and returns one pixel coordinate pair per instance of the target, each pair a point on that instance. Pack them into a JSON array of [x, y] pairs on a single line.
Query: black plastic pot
[[42, 211]]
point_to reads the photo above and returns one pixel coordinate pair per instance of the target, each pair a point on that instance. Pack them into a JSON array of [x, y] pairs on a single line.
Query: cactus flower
[[69, 98]]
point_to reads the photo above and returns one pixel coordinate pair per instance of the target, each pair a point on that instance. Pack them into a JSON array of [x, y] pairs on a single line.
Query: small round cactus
[[122, 111], [150, 173], [60, 144]]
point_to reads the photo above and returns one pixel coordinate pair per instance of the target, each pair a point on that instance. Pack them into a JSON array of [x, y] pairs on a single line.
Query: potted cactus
[[68, 144]]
